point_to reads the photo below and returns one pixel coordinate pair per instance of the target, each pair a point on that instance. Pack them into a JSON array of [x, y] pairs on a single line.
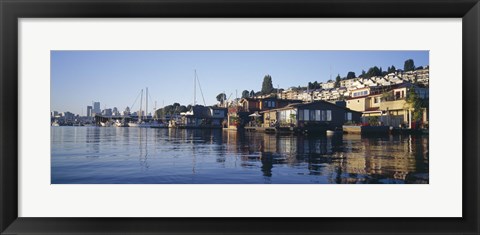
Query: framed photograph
[[239, 117]]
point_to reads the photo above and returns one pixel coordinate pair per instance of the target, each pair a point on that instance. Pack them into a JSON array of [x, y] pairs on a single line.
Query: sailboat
[[144, 123], [156, 123], [139, 122], [192, 119]]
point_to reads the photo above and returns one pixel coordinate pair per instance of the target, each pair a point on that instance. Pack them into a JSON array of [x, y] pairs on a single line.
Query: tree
[[245, 94], [252, 93], [373, 71], [363, 74], [221, 97], [267, 85], [409, 65], [391, 69], [351, 75], [337, 80], [169, 109], [182, 109], [159, 112], [416, 104]]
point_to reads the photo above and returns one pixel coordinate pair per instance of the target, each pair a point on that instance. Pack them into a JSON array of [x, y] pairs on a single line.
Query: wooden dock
[[261, 129], [366, 129]]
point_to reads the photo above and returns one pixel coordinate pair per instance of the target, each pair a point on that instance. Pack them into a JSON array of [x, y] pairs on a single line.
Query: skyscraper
[[115, 112], [89, 111], [96, 107]]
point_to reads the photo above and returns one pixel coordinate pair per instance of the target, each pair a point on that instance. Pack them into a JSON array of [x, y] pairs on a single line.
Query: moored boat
[[119, 123], [106, 124]]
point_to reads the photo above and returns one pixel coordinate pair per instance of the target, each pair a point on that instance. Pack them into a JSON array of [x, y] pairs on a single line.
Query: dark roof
[[271, 98], [217, 108], [299, 105]]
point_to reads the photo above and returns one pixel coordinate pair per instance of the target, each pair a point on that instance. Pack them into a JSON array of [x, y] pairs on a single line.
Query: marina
[[368, 128]]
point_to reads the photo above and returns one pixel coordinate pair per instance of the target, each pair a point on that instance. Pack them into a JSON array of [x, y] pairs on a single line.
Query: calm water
[[94, 155]]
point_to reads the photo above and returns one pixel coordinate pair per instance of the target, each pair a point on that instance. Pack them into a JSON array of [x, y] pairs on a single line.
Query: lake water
[[95, 155]]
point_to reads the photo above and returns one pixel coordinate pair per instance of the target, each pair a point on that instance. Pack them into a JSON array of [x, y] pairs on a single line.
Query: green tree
[[351, 75], [168, 109], [310, 85], [159, 112], [363, 74], [415, 104], [373, 71], [221, 97], [252, 93], [245, 94], [267, 85], [391, 69], [409, 65], [182, 109], [337, 80]]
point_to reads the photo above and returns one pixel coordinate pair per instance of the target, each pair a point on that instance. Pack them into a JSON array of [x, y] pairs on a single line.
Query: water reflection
[[340, 158], [221, 156]]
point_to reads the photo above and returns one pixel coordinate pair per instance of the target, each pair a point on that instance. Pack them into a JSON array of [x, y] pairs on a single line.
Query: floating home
[[203, 117], [241, 116], [317, 116]]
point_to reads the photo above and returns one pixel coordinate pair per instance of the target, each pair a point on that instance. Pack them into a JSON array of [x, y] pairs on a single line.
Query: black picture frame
[[12, 10]]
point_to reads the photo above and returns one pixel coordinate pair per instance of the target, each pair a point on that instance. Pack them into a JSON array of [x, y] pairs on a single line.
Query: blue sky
[[115, 78]]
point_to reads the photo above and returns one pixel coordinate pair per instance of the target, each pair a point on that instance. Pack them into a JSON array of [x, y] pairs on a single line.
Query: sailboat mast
[[195, 88], [140, 115], [146, 105]]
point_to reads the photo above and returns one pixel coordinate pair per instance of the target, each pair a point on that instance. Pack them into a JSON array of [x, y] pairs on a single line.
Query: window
[[273, 104], [324, 115], [348, 116], [281, 115], [300, 115], [397, 95], [329, 115], [312, 115], [306, 115], [317, 115]]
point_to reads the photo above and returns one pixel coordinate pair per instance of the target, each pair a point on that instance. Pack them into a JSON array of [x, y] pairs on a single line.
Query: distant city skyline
[[115, 78]]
